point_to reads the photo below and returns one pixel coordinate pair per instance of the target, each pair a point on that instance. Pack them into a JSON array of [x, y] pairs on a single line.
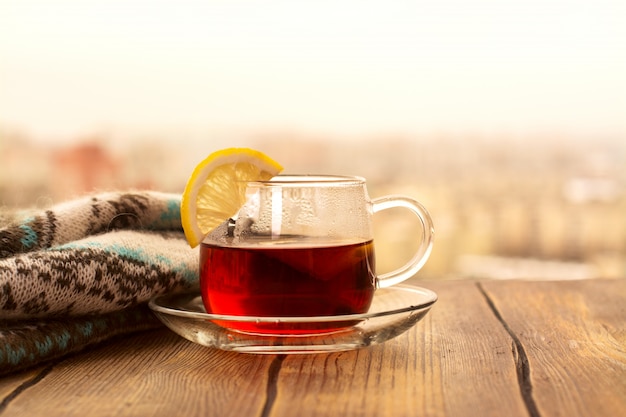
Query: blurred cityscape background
[[507, 120], [527, 208]]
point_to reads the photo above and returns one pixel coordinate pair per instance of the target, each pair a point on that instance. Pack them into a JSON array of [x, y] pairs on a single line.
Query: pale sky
[[348, 67]]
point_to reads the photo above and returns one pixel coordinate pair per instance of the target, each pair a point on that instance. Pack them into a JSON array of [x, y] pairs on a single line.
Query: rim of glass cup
[[317, 180]]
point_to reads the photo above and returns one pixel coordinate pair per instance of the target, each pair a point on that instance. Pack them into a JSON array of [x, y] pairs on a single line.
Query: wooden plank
[[10, 383], [574, 336], [155, 373], [461, 360], [13, 385], [456, 362]]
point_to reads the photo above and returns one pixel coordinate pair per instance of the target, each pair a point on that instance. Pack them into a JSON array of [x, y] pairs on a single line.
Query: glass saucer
[[394, 310]]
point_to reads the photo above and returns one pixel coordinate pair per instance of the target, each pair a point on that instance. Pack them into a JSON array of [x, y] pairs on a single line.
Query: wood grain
[[458, 359], [10, 383], [152, 374], [12, 386], [574, 335], [527, 349]]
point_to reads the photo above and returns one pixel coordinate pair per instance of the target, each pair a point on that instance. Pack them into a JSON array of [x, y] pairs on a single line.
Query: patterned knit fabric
[[82, 272]]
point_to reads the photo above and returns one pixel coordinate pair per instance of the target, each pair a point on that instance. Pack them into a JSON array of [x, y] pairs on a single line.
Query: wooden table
[[487, 348]]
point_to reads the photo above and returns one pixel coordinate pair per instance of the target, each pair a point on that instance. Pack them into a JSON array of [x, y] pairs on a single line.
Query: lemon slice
[[216, 189]]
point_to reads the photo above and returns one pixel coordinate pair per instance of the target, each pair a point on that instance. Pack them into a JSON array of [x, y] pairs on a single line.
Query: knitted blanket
[[81, 272]]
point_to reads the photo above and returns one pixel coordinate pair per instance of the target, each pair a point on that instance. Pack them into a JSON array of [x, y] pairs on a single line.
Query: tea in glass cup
[[301, 246]]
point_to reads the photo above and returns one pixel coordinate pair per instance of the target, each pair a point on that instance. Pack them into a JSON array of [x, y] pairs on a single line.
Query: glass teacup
[[301, 246]]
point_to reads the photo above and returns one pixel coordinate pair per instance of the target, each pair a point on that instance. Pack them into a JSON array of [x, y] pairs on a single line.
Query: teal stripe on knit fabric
[[172, 212], [62, 339], [190, 275], [77, 246], [86, 329], [133, 253], [44, 346], [29, 239], [140, 255], [14, 357]]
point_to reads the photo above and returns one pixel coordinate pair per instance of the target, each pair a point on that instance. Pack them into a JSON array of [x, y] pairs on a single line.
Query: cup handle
[[425, 245]]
